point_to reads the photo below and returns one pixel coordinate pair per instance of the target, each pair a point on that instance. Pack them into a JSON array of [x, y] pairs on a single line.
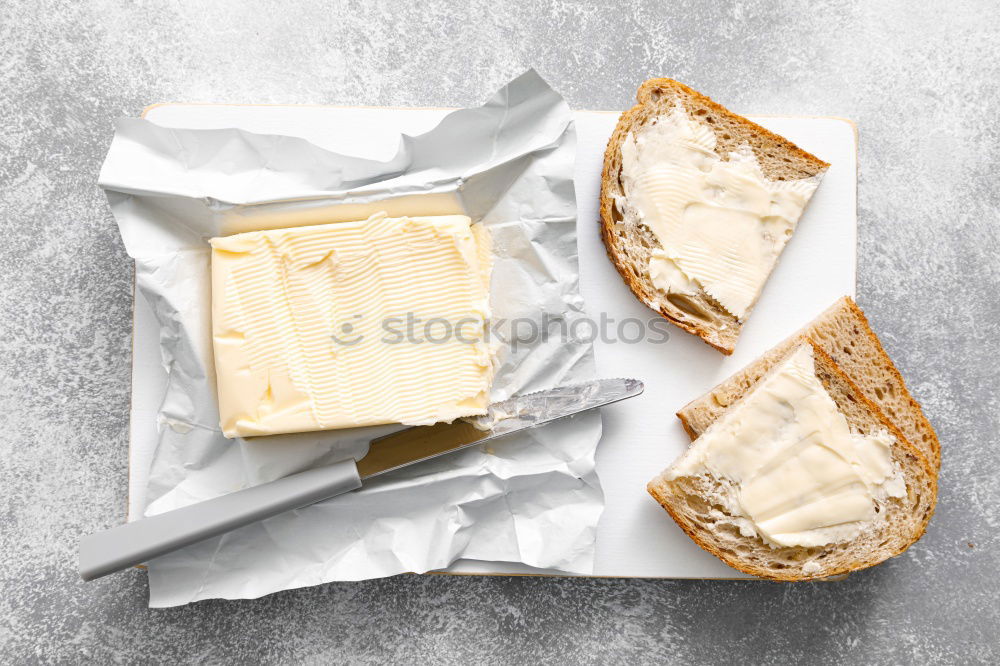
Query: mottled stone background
[[919, 78]]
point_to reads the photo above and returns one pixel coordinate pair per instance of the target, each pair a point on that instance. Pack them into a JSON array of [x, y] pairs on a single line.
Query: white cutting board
[[635, 538]]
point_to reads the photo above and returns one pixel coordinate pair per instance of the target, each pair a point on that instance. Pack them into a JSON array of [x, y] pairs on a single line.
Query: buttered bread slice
[[697, 204], [843, 332], [802, 478]]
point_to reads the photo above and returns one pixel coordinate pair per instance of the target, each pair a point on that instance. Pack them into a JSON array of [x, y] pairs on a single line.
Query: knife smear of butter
[[142, 540]]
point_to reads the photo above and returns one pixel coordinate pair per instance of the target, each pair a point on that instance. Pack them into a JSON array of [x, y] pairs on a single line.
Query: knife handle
[[142, 540]]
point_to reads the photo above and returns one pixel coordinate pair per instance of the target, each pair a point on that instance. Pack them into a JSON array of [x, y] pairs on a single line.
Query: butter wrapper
[[534, 498]]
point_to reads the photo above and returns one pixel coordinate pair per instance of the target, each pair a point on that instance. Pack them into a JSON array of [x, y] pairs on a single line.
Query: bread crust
[[902, 449], [721, 335]]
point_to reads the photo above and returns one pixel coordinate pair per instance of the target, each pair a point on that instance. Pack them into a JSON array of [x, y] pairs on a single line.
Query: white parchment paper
[[535, 498]]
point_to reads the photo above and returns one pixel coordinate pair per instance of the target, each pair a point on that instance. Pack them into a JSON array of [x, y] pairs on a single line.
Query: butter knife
[[124, 546]]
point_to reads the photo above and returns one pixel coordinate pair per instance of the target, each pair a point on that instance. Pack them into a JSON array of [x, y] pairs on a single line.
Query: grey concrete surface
[[920, 79]]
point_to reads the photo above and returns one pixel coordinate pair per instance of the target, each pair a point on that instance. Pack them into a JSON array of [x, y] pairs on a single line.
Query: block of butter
[[351, 324]]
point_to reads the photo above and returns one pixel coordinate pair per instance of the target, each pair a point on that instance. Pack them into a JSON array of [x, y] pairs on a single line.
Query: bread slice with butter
[[802, 478], [843, 332], [697, 204]]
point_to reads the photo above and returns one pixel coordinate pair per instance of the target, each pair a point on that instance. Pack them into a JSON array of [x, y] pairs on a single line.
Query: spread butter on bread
[[801, 478], [697, 204], [843, 332]]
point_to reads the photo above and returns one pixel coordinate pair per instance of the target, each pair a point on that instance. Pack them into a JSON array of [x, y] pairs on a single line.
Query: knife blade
[[413, 445], [127, 545]]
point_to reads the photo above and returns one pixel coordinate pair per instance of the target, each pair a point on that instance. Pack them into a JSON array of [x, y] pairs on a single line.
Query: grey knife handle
[[142, 540]]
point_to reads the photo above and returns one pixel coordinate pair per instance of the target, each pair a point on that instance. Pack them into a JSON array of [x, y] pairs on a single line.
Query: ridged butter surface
[[351, 324]]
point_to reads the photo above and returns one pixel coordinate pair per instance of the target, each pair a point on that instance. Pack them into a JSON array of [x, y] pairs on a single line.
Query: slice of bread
[[630, 244], [843, 332], [697, 503]]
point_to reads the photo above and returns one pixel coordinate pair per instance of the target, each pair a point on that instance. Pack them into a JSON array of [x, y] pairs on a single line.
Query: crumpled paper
[[533, 498]]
